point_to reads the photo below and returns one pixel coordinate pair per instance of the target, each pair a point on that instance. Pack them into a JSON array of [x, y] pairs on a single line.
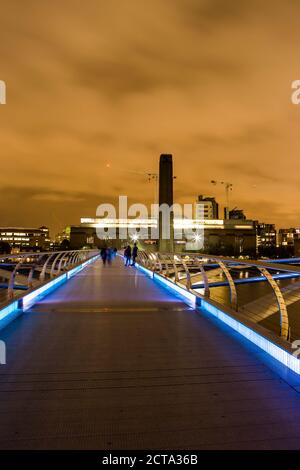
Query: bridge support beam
[[284, 319], [233, 294]]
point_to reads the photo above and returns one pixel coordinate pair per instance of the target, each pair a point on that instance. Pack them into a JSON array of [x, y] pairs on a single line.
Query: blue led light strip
[[16, 307], [274, 350]]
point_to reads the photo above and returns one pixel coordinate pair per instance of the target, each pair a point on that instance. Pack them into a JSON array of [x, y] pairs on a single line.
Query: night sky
[[117, 82]]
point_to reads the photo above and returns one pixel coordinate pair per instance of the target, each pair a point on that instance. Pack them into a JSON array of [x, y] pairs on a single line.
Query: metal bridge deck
[[112, 360]]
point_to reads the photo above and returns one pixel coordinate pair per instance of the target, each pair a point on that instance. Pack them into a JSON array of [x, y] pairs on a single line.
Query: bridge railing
[[25, 271], [201, 274]]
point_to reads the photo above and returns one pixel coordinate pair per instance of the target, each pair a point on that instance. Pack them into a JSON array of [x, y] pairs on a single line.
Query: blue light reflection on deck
[[75, 270], [145, 271], [263, 343], [188, 296], [278, 353], [30, 299], [24, 303], [39, 293], [169, 284]]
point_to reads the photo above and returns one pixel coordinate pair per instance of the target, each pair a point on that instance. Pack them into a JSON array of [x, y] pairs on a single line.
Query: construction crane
[[150, 176], [228, 188], [154, 177]]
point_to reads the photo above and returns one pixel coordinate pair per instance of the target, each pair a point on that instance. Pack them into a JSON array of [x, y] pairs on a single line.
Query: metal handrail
[[169, 265], [35, 267]]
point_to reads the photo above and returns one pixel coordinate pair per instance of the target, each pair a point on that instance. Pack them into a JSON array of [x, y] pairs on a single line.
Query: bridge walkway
[[112, 360]]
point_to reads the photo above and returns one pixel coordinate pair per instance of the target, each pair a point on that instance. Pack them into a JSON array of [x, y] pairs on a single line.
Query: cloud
[[209, 13], [56, 197], [21, 206], [122, 82]]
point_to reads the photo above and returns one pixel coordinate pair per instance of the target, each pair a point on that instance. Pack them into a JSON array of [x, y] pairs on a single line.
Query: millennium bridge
[[182, 351]]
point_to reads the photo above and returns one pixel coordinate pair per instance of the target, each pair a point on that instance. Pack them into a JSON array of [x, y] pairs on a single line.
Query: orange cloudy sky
[[121, 81]]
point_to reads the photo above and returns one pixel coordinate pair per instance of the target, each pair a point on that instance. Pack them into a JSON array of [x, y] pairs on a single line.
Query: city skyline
[[95, 94]]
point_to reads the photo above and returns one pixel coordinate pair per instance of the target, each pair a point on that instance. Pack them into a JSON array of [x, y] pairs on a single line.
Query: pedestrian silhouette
[[134, 254], [109, 255], [127, 255], [103, 254]]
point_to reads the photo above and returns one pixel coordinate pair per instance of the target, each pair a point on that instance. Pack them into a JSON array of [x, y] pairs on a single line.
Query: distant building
[[296, 250], [227, 237], [23, 239], [288, 241], [237, 214], [64, 235], [231, 238], [266, 238], [286, 237], [206, 208], [84, 235]]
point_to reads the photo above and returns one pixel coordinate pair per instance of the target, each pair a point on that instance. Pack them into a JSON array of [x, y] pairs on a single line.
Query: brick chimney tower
[[166, 197]]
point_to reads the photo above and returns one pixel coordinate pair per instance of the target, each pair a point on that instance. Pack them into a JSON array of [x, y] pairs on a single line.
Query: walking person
[[127, 255], [109, 255], [134, 253], [103, 254]]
